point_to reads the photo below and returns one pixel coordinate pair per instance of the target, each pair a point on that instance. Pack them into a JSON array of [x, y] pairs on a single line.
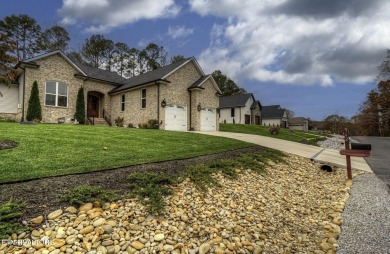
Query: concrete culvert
[[327, 168]]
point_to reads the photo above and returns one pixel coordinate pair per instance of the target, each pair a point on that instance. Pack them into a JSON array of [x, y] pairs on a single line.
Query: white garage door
[[208, 119], [175, 118]]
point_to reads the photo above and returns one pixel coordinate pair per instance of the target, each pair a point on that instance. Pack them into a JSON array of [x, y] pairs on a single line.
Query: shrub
[[86, 193], [153, 124], [80, 107], [130, 125], [119, 121], [34, 111], [151, 188], [274, 130], [9, 213], [143, 125]]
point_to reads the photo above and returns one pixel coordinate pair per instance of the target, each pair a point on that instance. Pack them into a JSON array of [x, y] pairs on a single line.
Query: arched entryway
[[95, 104]]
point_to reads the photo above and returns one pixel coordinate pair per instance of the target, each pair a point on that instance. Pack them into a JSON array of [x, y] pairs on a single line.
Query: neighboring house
[[298, 123], [241, 108], [180, 96], [274, 115]]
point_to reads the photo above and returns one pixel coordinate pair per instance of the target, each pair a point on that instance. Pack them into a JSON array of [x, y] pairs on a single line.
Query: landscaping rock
[[289, 209]]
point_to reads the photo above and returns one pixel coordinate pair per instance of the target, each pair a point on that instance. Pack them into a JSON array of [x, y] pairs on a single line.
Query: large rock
[[54, 214], [137, 245]]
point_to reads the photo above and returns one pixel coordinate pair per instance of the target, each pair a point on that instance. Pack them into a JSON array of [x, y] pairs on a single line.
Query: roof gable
[[85, 70], [273, 111], [238, 100], [159, 74], [199, 83], [59, 52]]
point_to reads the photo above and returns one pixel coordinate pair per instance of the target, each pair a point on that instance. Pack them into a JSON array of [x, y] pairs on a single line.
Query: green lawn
[[50, 150], [296, 136]]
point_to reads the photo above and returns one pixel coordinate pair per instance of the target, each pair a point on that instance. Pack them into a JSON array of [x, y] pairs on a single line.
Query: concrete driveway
[[315, 153]]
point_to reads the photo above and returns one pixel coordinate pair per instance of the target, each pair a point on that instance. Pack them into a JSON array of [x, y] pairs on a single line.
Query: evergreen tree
[[80, 107], [34, 111]]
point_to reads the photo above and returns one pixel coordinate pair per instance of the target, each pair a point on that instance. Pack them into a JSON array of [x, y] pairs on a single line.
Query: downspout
[[190, 110], [158, 104], [240, 114], [24, 90]]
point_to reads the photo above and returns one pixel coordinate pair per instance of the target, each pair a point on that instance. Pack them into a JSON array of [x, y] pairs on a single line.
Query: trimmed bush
[[80, 107], [153, 124], [34, 111], [119, 121]]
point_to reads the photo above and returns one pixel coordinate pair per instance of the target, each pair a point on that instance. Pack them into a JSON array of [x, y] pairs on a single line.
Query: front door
[[257, 120], [247, 119], [93, 106]]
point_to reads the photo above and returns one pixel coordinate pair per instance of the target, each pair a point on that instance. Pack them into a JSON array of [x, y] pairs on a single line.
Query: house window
[[143, 98], [123, 98], [56, 94], [232, 112]]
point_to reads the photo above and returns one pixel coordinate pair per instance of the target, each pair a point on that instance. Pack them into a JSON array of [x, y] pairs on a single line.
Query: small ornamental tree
[[34, 111], [80, 107]]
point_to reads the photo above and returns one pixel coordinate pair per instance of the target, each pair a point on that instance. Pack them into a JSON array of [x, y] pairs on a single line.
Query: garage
[[175, 118], [208, 120]]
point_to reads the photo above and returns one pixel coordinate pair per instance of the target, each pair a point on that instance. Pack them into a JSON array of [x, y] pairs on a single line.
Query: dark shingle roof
[[232, 101], [150, 76], [97, 73], [199, 82], [256, 103], [273, 111]]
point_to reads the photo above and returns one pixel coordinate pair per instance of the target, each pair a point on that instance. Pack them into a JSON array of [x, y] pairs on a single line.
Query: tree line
[[21, 37]]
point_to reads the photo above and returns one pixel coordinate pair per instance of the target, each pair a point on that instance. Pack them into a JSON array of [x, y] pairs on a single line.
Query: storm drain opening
[[326, 168]]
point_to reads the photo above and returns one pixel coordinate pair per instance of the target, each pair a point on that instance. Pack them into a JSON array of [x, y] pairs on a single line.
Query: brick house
[[240, 108], [180, 96]]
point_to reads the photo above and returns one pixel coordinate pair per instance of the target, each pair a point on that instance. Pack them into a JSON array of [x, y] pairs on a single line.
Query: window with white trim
[[143, 98], [123, 101], [56, 94]]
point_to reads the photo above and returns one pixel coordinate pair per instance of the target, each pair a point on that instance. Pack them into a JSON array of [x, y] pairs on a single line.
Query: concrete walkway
[[315, 153]]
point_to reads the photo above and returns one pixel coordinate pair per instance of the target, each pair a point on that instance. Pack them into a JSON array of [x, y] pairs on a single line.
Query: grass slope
[[50, 150], [296, 136]]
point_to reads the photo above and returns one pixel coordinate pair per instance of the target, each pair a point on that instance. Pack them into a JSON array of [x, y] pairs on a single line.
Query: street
[[379, 160]]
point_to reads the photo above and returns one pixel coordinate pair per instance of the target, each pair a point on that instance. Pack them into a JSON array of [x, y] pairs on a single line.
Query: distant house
[[298, 123], [179, 96], [274, 115], [241, 109]]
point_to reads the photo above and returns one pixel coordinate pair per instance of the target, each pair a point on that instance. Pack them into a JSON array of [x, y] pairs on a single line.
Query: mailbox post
[[348, 157], [358, 150]]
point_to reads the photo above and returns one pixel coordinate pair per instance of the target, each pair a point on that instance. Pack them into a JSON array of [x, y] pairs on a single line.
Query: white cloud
[[101, 16], [179, 31], [293, 41]]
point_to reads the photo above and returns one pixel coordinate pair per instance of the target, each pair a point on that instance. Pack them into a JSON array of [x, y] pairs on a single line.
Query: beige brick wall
[[133, 113], [56, 68], [207, 99]]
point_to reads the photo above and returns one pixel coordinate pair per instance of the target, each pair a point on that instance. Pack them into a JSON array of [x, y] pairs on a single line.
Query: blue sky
[[315, 57]]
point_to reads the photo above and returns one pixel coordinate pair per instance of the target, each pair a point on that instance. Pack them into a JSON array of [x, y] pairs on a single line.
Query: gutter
[[190, 109], [137, 86]]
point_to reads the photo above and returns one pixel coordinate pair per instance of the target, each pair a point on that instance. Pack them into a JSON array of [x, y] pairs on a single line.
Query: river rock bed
[[293, 208], [336, 142]]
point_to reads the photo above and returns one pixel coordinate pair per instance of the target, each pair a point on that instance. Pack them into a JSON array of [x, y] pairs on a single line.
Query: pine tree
[[80, 107], [34, 111]]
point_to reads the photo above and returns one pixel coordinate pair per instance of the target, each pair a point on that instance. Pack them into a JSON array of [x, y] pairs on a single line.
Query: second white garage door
[[175, 118], [208, 120]]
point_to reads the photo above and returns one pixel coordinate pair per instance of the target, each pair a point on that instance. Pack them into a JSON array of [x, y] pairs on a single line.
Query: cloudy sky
[[315, 57]]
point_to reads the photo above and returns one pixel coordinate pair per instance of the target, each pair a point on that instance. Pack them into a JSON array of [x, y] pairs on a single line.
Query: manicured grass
[[50, 150], [286, 134]]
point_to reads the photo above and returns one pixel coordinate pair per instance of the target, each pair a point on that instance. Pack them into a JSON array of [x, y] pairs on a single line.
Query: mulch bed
[[41, 195], [7, 144]]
